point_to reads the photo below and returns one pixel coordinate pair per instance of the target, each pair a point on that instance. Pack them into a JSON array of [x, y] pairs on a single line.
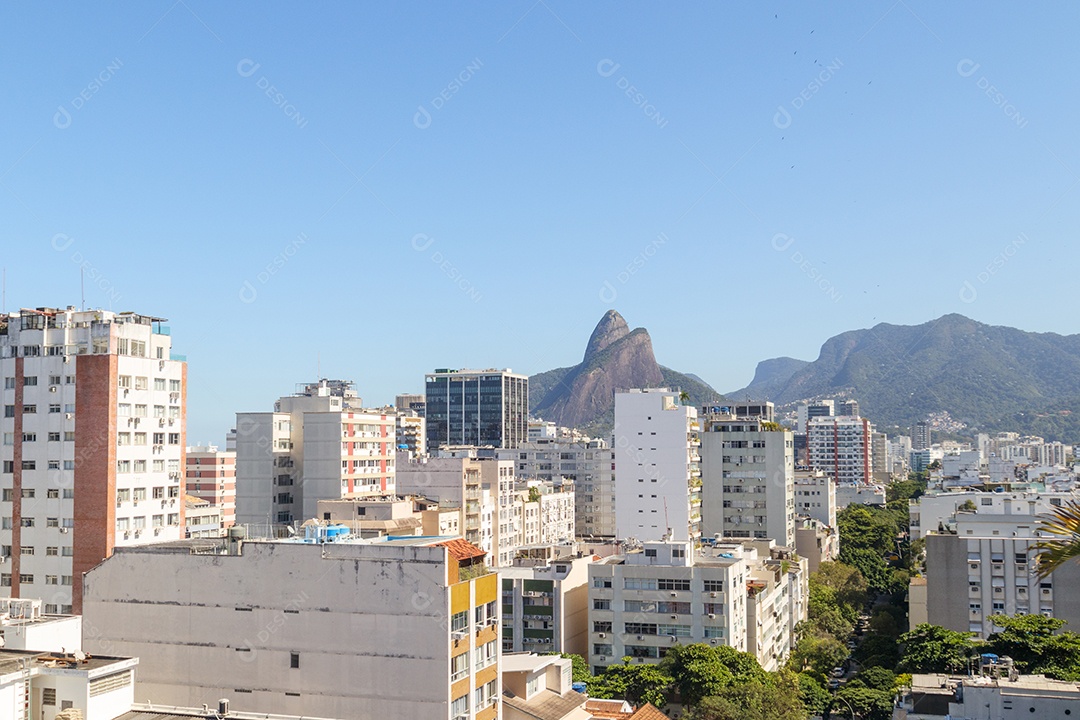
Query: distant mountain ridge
[[991, 378], [616, 358]]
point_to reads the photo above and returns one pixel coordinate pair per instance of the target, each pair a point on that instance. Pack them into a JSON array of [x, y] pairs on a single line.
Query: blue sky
[[380, 190]]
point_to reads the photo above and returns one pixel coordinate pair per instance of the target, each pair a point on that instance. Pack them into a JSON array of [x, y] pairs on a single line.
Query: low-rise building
[[859, 494], [385, 628], [545, 602], [983, 697], [210, 475], [539, 687], [374, 516], [816, 542], [201, 518], [815, 495], [24, 627], [36, 684]]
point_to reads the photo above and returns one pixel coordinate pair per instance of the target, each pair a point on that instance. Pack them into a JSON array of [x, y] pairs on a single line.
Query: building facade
[[841, 447], [545, 600], [318, 444], [404, 629], [657, 467], [211, 476], [93, 445], [476, 407], [748, 479]]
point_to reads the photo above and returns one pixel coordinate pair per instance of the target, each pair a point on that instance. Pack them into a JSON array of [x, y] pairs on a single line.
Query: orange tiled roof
[[461, 549], [648, 711]]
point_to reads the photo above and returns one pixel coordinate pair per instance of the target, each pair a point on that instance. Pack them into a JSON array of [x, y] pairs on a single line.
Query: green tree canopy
[[815, 698], [817, 653], [868, 703], [579, 667], [699, 670], [775, 698], [636, 683], [934, 649], [1037, 645]]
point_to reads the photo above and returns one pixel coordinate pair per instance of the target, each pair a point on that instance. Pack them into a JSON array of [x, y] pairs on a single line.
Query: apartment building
[[548, 513], [24, 626], [455, 482], [777, 594], [992, 556], [587, 463], [210, 475], [645, 600], [748, 478], [545, 602], [817, 542], [657, 467], [815, 496], [315, 626], [937, 511], [476, 407], [841, 447], [317, 444], [93, 445]]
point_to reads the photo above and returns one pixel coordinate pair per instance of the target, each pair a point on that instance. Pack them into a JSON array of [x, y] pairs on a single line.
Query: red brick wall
[[95, 466]]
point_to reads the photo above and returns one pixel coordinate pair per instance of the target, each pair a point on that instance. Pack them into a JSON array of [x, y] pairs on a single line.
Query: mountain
[[991, 378], [616, 358]]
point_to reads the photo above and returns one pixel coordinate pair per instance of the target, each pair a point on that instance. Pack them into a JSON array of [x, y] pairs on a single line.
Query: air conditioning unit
[[52, 388], [69, 416], [640, 637], [157, 531], [712, 616], [674, 594], [712, 594], [674, 617], [161, 422]]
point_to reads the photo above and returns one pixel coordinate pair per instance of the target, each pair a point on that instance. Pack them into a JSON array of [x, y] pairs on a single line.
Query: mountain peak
[[611, 328]]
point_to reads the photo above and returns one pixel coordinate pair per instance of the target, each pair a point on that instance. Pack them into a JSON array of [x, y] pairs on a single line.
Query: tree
[[868, 704], [967, 506], [876, 678], [934, 649], [836, 584], [755, 700], [817, 653], [1064, 523], [815, 698], [878, 650], [1036, 644], [699, 670], [635, 683]]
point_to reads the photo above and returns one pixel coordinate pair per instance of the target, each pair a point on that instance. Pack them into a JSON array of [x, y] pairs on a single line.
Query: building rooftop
[[546, 704], [168, 712], [12, 660]]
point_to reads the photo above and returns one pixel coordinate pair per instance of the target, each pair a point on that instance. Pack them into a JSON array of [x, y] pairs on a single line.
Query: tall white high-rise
[[93, 445], [841, 447], [657, 473]]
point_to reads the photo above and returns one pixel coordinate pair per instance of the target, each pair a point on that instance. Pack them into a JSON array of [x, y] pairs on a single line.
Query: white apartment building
[[646, 600], [748, 479], [589, 464], [318, 444], [455, 482], [553, 509], [841, 447], [991, 555], [93, 445], [23, 626], [545, 602], [815, 496], [777, 595], [817, 542], [657, 467], [937, 511], [859, 494], [403, 629]]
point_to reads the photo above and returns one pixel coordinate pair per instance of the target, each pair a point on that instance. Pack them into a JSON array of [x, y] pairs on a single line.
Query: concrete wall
[[363, 619]]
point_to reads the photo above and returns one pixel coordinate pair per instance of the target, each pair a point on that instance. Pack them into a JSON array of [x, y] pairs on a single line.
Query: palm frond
[[1064, 523]]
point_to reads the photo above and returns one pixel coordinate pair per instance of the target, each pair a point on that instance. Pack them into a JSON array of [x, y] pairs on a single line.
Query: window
[[138, 523], [459, 666], [158, 521], [601, 582], [124, 381], [29, 409], [174, 438], [27, 550], [123, 495], [52, 579], [123, 466], [140, 411], [159, 493], [9, 383], [294, 660], [714, 586], [601, 626], [52, 494], [639, 583], [67, 551], [52, 522], [26, 578], [123, 438], [54, 437], [140, 383], [48, 696], [673, 584], [460, 706], [5, 579], [29, 381], [122, 524], [124, 410], [29, 437], [459, 623], [139, 466], [138, 494], [54, 408], [159, 383], [174, 385], [159, 411], [140, 438], [52, 551], [27, 522], [599, 604], [54, 379]]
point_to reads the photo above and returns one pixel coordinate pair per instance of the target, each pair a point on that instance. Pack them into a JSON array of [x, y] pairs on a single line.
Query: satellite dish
[[80, 656]]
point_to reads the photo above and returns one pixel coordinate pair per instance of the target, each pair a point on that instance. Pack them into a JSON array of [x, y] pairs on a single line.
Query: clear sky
[[377, 190]]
